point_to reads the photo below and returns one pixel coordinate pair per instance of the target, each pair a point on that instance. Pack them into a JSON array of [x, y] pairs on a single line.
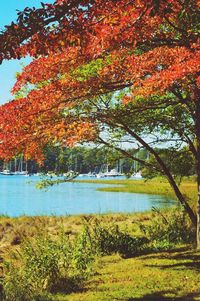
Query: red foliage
[[149, 46]]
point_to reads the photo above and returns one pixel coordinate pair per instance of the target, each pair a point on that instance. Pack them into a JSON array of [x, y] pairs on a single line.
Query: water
[[19, 197]]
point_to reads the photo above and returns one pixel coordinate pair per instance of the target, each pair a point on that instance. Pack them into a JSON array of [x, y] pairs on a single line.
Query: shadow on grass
[[171, 252], [160, 296], [186, 260]]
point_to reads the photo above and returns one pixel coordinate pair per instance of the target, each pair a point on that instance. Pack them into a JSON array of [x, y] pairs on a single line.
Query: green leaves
[[92, 69]]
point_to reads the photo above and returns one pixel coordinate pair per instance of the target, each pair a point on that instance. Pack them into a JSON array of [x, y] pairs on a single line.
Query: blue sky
[[8, 69]]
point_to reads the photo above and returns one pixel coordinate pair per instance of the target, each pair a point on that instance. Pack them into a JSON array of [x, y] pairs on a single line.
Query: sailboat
[[137, 173], [6, 171], [108, 173], [101, 173], [20, 171]]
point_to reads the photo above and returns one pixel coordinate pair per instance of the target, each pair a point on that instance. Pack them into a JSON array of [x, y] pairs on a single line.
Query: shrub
[[168, 228], [109, 239], [44, 266]]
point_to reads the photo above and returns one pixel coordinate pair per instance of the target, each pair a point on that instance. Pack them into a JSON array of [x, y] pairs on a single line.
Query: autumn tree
[[83, 49]]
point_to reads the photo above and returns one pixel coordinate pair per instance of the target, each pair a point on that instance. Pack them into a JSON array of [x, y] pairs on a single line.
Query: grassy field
[[163, 276], [14, 230]]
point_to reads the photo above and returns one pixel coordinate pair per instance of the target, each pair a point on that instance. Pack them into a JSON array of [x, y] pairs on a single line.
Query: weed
[[44, 266], [168, 228], [109, 239]]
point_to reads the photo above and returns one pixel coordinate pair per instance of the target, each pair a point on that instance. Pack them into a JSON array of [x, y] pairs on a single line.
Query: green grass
[[14, 230], [163, 276], [155, 186]]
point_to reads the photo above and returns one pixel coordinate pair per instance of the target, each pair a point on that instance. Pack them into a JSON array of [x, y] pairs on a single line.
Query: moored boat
[[6, 172]]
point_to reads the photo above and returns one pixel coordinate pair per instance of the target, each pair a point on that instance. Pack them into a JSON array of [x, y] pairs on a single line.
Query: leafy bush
[[45, 266], [109, 239], [168, 228]]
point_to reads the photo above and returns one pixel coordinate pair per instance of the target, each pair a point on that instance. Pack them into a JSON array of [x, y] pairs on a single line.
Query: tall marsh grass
[[168, 228], [44, 265]]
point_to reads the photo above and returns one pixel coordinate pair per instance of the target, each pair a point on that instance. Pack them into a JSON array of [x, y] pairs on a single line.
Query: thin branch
[[127, 154]]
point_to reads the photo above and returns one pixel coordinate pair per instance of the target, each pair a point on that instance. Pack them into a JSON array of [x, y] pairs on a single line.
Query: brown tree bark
[[197, 130]]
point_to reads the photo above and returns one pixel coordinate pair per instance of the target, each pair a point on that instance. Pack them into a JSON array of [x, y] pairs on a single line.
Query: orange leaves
[[28, 124], [145, 45], [160, 80], [47, 68], [34, 151], [77, 131], [103, 21]]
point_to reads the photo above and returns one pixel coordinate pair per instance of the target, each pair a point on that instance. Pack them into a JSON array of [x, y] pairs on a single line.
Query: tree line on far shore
[[85, 160]]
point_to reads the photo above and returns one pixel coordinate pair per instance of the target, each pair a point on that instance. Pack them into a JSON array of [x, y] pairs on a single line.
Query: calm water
[[18, 197]]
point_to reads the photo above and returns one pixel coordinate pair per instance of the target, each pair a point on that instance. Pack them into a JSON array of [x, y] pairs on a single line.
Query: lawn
[[163, 276]]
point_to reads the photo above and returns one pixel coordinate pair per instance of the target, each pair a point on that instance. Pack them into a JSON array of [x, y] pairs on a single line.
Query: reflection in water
[[19, 197]]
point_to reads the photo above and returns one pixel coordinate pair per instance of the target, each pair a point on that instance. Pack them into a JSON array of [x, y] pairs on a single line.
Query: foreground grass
[[14, 230], [163, 276], [155, 186]]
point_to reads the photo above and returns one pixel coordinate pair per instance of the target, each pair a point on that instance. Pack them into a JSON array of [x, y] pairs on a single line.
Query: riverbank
[[157, 186], [147, 256]]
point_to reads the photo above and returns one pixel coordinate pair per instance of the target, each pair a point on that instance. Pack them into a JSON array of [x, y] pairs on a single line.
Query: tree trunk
[[198, 199], [197, 129], [168, 174]]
